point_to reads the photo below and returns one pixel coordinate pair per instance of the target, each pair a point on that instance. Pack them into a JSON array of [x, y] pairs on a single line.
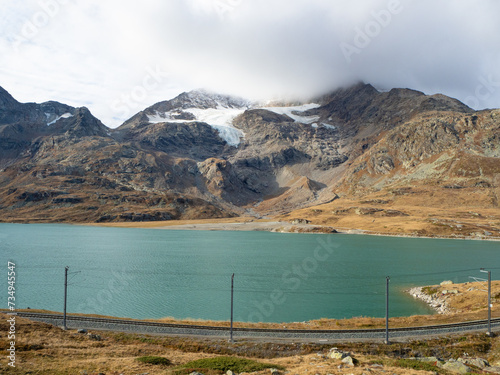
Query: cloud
[[119, 57]]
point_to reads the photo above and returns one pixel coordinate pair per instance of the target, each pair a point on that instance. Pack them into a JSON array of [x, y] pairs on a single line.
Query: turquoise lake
[[154, 273]]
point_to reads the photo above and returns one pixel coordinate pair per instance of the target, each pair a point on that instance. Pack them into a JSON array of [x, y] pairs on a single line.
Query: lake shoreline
[[256, 225], [271, 226]]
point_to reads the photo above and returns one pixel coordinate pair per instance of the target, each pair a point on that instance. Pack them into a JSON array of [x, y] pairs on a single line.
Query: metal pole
[[489, 304], [488, 333], [232, 293], [387, 310], [65, 295]]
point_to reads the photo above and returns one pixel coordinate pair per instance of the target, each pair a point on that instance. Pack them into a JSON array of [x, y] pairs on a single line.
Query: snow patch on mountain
[[293, 111], [220, 118], [216, 110], [219, 111], [216, 116], [230, 134], [203, 99], [172, 116], [49, 115], [328, 126]]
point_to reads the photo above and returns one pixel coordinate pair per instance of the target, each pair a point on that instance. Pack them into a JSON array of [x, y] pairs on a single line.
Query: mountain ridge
[[206, 155]]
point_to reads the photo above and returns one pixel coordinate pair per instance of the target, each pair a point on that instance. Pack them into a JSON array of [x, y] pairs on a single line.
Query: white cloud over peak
[[119, 57]]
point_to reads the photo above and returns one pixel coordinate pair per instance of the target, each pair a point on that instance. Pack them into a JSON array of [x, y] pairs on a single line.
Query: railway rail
[[145, 327]]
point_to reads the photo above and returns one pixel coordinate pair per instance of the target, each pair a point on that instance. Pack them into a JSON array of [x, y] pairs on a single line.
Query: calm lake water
[[151, 273]]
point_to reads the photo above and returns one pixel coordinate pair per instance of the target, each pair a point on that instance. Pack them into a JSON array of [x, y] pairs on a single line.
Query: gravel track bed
[[141, 327]]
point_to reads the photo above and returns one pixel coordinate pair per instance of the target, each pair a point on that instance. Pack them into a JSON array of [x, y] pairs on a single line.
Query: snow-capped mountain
[[202, 106], [204, 99], [218, 111]]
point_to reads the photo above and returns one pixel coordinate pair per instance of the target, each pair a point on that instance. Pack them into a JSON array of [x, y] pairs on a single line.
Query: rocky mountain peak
[[348, 103], [56, 108], [7, 102], [404, 93], [84, 124], [181, 108], [24, 124], [204, 99], [359, 90], [197, 99]]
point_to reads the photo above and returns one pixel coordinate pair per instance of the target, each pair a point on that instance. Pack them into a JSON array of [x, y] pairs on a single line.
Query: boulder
[[457, 367], [478, 362], [348, 361], [446, 282], [334, 353], [300, 221], [230, 372]]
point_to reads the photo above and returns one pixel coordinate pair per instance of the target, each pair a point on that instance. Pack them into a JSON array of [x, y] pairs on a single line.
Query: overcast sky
[[118, 57]]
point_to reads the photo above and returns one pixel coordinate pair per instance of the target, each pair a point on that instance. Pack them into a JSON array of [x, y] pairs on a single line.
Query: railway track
[[76, 322]]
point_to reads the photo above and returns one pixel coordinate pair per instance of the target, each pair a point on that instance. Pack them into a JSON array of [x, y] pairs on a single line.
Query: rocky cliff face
[[444, 148], [22, 126], [207, 155]]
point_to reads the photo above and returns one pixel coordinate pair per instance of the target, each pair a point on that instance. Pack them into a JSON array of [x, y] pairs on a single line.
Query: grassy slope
[[416, 211], [45, 349]]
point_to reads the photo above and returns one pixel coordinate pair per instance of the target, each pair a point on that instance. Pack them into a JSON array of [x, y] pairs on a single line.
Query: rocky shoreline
[[437, 301]]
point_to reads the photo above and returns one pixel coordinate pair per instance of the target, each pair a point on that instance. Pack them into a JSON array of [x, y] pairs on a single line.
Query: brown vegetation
[[417, 211], [44, 349]]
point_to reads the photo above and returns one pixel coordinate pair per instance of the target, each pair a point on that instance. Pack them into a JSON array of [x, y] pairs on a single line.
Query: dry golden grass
[[160, 224], [472, 297], [419, 210], [45, 349], [49, 350], [426, 211], [314, 364]]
